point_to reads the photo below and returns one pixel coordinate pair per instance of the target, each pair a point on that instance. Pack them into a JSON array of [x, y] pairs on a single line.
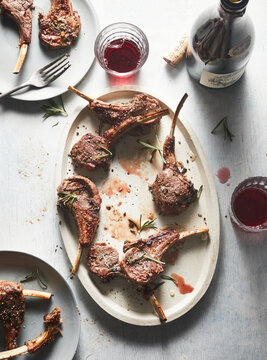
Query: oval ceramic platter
[[125, 194], [81, 53], [14, 266]]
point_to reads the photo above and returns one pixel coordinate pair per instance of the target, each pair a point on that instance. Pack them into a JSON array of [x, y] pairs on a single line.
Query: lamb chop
[[140, 104], [93, 151], [20, 12], [12, 308], [141, 261], [52, 323], [80, 195], [171, 190], [61, 26]]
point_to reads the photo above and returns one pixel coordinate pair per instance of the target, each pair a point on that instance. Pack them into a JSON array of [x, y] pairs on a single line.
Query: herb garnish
[[109, 153], [67, 197], [52, 109], [130, 261], [153, 148], [227, 132], [166, 277], [35, 275], [148, 224], [55, 124], [199, 192]]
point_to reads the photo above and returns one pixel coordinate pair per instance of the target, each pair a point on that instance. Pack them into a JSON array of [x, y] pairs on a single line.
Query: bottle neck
[[234, 7]]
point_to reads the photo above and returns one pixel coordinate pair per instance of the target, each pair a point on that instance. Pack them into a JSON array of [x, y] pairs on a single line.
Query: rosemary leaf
[[166, 277], [55, 124], [67, 197], [227, 132], [199, 192], [104, 148], [149, 224], [35, 275], [153, 259], [100, 156], [52, 109], [130, 261], [154, 148]]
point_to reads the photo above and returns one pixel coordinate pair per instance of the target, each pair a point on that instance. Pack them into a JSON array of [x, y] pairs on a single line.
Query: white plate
[[13, 267], [81, 53], [196, 262]]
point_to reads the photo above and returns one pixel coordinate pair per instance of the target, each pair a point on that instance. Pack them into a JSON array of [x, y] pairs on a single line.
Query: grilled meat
[[141, 261], [52, 323], [93, 151], [20, 12], [171, 190], [12, 308], [103, 261], [81, 196], [140, 104], [61, 26]]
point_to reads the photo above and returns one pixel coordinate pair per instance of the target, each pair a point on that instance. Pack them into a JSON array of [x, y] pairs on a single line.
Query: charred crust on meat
[[85, 208], [61, 26], [12, 309]]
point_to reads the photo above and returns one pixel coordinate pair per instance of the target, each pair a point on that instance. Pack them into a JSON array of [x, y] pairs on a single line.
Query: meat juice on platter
[[250, 207], [122, 55]]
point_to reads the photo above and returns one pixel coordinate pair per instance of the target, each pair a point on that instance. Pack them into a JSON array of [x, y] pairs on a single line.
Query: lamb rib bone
[[52, 322], [93, 151], [139, 104]]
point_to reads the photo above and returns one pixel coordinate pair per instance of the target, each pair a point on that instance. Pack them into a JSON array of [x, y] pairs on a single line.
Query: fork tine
[[54, 67], [54, 77], [46, 77], [54, 61]]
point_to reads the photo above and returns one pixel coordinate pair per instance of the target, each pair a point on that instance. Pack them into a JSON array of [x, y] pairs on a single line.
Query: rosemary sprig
[[199, 192], [227, 132], [100, 156], [153, 259], [52, 109], [35, 275], [67, 197], [154, 148], [109, 153], [167, 277], [130, 261], [148, 224]]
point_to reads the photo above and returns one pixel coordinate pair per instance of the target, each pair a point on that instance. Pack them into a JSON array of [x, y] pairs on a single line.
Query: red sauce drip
[[223, 175], [250, 207], [180, 283], [122, 55]]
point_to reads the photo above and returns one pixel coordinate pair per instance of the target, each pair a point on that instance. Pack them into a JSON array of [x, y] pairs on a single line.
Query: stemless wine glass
[[258, 185], [121, 49]]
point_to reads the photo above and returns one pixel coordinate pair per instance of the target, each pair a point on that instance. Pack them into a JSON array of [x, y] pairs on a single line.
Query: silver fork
[[45, 75]]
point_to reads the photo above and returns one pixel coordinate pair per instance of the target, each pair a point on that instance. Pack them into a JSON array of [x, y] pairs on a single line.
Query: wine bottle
[[220, 44]]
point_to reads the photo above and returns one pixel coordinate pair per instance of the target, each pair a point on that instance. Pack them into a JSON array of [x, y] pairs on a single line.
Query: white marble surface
[[230, 321]]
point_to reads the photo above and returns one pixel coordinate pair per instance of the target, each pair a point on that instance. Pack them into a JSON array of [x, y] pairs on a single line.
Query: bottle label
[[218, 81]]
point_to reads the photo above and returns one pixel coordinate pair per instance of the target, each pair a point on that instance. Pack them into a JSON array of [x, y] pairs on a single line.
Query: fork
[[45, 75]]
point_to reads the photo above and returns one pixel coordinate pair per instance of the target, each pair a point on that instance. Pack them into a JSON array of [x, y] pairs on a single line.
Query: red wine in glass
[[249, 205], [122, 55]]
